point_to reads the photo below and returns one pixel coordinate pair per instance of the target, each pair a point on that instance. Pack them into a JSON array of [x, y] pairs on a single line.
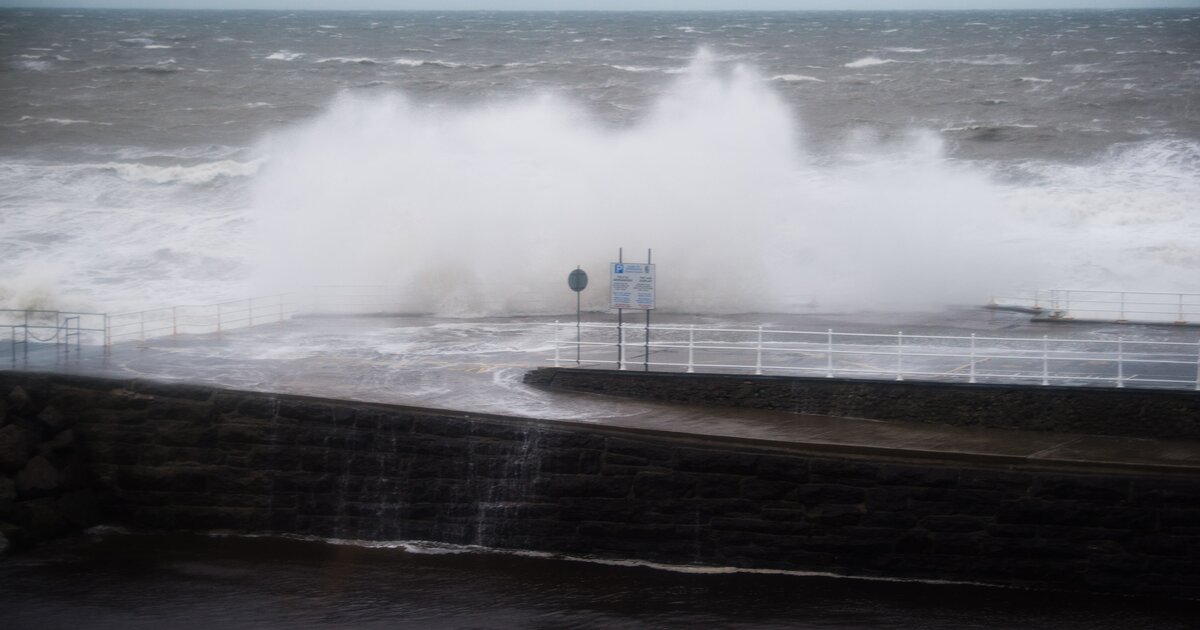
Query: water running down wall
[[189, 457]]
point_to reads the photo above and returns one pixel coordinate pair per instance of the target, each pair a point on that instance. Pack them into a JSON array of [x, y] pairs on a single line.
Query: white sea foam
[[61, 121], [867, 62], [284, 55], [191, 175], [795, 78], [905, 49], [366, 61]]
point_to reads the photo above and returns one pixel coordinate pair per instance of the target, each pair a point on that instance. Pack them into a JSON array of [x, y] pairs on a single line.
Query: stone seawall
[[198, 458], [1092, 410]]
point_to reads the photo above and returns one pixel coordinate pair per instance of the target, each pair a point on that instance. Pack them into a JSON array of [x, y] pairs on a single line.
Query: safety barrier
[[1114, 306], [1120, 362]]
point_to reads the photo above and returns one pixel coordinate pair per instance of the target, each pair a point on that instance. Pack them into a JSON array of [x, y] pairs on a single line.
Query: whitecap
[[156, 46], [866, 62], [284, 55], [198, 174], [795, 78], [635, 68], [366, 61], [905, 49]]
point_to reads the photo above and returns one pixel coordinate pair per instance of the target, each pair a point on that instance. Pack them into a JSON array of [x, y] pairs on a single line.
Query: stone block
[[650, 486], [38, 478], [715, 461], [16, 446]]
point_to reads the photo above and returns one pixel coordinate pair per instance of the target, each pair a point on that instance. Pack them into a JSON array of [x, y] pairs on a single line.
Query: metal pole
[[758, 360], [1045, 361], [578, 337], [1067, 306], [107, 334], [621, 348], [646, 356], [900, 355], [829, 353], [972, 379], [691, 348], [1180, 319], [620, 316], [1120, 364], [1121, 317], [1198, 366]]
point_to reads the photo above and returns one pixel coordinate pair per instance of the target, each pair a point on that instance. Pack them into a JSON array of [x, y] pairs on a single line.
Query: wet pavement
[[478, 366]]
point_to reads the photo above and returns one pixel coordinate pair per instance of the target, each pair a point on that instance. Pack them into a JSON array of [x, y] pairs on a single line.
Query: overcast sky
[[526, 5]]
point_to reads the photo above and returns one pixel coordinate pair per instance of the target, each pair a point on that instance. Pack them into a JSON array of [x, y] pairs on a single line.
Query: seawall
[[187, 457], [1092, 410]]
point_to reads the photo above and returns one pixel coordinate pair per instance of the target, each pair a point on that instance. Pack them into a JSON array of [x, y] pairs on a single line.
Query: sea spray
[[479, 209]]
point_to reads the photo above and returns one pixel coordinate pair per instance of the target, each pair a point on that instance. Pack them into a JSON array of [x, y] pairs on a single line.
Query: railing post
[[972, 379], [556, 357], [174, 321], [829, 353], [758, 353], [1121, 317], [1180, 319], [1045, 360], [1067, 305], [900, 356], [691, 349], [1120, 363], [107, 334]]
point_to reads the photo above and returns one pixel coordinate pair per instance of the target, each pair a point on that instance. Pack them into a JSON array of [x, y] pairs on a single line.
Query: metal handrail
[[1160, 362], [1117, 306]]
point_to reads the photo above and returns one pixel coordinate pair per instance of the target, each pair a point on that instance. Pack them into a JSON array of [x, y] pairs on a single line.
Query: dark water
[[154, 581]]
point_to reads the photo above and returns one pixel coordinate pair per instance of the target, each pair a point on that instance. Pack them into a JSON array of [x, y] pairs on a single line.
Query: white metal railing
[[973, 359], [1115, 306], [27, 326]]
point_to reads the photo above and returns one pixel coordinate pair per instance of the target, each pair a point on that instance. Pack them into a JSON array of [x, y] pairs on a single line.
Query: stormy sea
[[857, 160]]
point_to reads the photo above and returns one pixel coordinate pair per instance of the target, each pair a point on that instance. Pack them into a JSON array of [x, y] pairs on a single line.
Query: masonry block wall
[[184, 457]]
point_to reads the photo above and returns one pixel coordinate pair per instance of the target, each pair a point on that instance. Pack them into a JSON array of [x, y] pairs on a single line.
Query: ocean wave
[[1034, 80], [33, 65], [136, 41], [417, 63], [638, 69], [795, 78], [365, 61], [284, 55], [990, 60], [193, 175], [905, 49], [867, 62], [33, 120]]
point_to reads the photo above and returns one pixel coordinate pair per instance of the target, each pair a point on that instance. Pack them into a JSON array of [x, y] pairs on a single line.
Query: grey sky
[[524, 5]]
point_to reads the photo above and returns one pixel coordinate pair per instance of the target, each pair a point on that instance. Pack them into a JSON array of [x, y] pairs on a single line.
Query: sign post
[[632, 286], [577, 280]]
